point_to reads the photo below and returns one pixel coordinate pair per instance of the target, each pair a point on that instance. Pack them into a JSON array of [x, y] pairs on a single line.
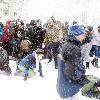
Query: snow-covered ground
[[36, 88]]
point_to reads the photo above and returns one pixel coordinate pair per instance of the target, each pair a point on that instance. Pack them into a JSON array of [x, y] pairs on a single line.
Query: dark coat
[[70, 69], [4, 61]]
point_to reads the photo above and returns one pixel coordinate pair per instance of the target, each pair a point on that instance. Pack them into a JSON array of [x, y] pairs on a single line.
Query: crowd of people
[[70, 45]]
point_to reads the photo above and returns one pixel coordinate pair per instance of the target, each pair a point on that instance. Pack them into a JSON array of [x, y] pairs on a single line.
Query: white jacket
[[96, 38], [85, 49]]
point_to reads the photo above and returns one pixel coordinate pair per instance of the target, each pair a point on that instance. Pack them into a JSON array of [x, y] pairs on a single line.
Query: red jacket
[[5, 35]]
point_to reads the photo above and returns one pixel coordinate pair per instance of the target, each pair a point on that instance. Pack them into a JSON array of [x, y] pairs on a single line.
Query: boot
[[96, 63], [87, 65], [25, 77], [93, 61], [49, 60], [56, 67]]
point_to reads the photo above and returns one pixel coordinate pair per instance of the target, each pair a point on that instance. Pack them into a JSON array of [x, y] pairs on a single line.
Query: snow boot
[[93, 61], [87, 65], [96, 63], [25, 77]]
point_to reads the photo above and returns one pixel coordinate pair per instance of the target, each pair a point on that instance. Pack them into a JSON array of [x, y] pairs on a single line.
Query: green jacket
[[90, 86], [53, 34]]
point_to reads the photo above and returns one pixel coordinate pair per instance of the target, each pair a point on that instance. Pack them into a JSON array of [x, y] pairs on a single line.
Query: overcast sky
[[83, 11]]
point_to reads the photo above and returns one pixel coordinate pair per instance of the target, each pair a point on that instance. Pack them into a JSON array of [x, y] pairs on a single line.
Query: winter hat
[[76, 30], [9, 22]]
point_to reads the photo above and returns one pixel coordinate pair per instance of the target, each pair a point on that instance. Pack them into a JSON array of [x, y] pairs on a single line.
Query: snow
[[36, 88], [83, 11]]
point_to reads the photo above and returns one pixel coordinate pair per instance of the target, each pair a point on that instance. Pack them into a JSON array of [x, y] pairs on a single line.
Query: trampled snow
[[36, 88]]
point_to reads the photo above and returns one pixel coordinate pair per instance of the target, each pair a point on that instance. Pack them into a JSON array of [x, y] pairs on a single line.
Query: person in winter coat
[[4, 62], [5, 41], [6, 33], [27, 64], [86, 47], [52, 40], [71, 71], [96, 47], [1, 30], [36, 34]]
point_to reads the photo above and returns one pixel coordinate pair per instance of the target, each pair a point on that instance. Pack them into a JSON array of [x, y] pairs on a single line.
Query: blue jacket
[[25, 61], [1, 31], [65, 87]]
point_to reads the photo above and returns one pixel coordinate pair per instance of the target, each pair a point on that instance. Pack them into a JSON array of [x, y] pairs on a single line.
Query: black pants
[[45, 52], [53, 51]]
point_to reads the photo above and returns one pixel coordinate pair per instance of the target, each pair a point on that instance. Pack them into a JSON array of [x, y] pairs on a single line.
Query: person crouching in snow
[[27, 61], [27, 65], [71, 71]]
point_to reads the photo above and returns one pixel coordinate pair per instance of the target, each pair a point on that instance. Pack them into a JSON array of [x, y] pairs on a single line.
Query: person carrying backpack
[[71, 71]]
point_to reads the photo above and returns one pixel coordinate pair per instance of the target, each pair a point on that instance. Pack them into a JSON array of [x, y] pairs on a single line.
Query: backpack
[[74, 69]]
